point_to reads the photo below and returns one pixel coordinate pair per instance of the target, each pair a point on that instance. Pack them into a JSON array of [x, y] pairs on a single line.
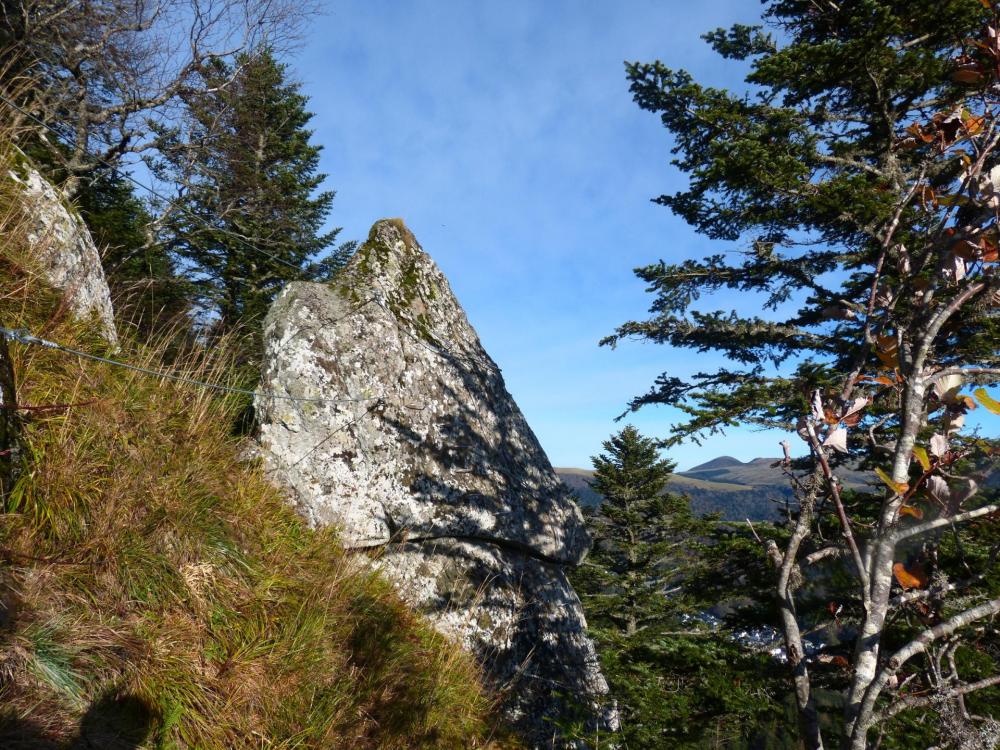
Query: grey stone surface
[[66, 252], [522, 618], [419, 432], [415, 446]]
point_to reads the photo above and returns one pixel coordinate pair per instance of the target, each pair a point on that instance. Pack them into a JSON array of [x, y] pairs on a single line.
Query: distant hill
[[723, 462], [756, 489], [760, 472]]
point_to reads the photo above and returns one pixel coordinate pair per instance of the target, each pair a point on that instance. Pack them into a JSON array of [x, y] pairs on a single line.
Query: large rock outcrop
[[65, 251], [404, 436]]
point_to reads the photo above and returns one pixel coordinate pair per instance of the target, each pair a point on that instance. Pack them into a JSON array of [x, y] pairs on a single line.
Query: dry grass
[[155, 591]]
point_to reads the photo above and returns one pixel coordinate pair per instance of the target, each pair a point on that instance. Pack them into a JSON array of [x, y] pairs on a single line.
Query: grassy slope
[[156, 592]]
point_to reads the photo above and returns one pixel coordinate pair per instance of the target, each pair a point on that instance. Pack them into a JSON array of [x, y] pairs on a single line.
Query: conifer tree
[[636, 526], [102, 74], [250, 213], [652, 574], [148, 291], [860, 173]]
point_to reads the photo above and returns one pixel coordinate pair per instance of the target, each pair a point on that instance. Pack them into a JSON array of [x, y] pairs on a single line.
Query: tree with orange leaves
[[861, 171]]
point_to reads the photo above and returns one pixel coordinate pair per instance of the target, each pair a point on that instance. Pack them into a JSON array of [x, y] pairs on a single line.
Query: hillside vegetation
[[156, 591]]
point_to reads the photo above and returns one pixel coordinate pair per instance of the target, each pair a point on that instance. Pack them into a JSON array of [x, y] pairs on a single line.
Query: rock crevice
[[407, 439]]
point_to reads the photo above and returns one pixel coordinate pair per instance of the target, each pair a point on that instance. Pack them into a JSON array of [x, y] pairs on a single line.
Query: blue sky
[[504, 134]]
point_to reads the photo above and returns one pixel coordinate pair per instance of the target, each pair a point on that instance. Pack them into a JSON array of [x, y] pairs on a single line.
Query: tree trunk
[[8, 420]]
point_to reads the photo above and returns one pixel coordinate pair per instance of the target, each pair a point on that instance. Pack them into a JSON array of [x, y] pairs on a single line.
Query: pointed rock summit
[[415, 431], [403, 436]]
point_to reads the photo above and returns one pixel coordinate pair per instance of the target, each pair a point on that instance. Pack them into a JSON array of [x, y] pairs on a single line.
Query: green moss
[[414, 294], [484, 621], [16, 161]]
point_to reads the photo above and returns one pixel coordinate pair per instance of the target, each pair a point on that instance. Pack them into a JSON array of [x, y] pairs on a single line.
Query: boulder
[[66, 252], [401, 433], [415, 430]]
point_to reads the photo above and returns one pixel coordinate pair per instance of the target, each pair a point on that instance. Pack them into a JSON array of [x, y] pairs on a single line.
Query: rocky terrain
[[405, 438]]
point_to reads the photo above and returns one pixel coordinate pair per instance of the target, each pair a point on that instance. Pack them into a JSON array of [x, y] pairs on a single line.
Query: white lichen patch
[[416, 446], [66, 252]]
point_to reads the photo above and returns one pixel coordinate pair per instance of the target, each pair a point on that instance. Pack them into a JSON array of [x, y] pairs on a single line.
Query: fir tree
[[250, 213], [149, 292], [652, 574], [860, 172], [634, 529]]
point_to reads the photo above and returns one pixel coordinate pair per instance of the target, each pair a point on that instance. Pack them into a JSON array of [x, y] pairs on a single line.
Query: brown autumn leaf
[[913, 577], [989, 252], [852, 420], [969, 74], [881, 379], [911, 510], [973, 124], [921, 133], [853, 411], [965, 249], [927, 196], [948, 127], [887, 350]]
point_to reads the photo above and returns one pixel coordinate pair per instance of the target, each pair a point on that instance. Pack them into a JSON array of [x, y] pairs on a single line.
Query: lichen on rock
[[416, 431], [65, 251], [405, 438]]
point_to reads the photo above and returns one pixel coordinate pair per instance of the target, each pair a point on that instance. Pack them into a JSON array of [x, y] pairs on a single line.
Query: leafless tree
[[105, 73]]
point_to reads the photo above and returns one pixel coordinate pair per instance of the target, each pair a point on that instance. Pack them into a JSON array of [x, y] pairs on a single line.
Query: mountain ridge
[[737, 490]]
